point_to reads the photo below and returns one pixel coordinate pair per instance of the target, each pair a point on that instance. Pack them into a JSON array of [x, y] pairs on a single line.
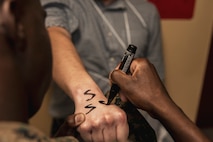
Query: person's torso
[[96, 42]]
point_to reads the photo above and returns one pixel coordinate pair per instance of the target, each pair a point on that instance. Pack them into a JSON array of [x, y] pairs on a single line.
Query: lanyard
[[126, 22]]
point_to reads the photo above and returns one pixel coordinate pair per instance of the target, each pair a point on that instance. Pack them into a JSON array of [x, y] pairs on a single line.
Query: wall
[[42, 120], [186, 45]]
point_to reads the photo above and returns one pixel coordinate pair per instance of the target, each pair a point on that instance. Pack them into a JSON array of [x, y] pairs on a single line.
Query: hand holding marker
[[124, 66]]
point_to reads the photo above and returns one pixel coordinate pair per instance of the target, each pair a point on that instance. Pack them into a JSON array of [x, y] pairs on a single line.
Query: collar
[[116, 5]]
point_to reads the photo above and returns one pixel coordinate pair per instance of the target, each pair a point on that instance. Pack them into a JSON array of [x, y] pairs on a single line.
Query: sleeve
[[155, 49], [59, 13]]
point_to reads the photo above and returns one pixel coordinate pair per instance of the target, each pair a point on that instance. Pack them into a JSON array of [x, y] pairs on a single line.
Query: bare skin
[[100, 124], [25, 62], [26, 66], [144, 89], [25, 54]]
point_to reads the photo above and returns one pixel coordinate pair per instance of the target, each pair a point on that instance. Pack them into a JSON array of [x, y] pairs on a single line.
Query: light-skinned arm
[[146, 91], [103, 123]]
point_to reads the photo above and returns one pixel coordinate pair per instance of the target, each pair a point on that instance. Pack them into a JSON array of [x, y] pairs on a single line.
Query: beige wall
[[42, 120], [186, 44]]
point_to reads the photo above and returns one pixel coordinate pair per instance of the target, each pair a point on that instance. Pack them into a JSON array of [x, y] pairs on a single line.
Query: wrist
[[88, 100], [162, 105], [166, 110], [87, 94]]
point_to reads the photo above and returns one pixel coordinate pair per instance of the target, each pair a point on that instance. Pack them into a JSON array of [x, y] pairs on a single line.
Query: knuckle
[[121, 116], [96, 124], [144, 62], [84, 128], [109, 120]]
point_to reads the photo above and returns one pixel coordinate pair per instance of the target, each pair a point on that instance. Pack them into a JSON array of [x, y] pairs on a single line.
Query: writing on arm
[[90, 106]]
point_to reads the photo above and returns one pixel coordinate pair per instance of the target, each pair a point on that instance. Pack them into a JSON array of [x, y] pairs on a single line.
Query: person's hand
[[145, 90], [68, 128], [143, 87], [105, 123]]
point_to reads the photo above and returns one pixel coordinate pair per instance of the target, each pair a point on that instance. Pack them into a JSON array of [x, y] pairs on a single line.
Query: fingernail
[[79, 118]]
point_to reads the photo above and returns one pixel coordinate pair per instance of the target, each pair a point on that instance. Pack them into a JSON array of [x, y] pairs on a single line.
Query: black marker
[[124, 66]]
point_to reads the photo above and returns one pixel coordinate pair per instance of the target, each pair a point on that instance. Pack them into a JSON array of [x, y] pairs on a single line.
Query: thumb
[[68, 128], [120, 78], [76, 119]]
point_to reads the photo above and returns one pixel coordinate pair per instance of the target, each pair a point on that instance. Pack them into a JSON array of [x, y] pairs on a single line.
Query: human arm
[[70, 74], [146, 91]]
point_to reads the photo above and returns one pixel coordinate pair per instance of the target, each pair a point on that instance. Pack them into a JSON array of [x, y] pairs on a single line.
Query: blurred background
[[187, 27]]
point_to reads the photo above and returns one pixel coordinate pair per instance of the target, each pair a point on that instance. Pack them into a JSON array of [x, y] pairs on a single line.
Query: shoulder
[[17, 131]]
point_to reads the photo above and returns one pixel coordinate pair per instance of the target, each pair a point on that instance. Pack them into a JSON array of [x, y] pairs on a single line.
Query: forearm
[[181, 128], [68, 70], [70, 74]]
